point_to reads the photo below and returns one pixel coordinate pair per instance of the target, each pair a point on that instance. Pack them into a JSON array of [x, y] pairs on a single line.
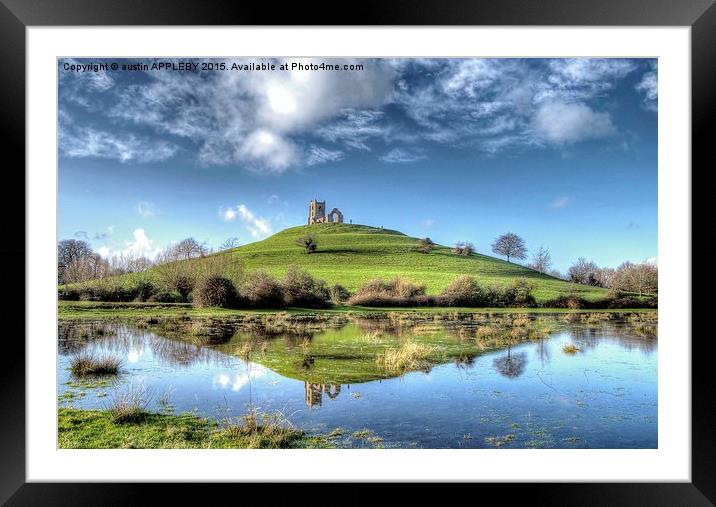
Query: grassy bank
[[95, 309], [96, 429]]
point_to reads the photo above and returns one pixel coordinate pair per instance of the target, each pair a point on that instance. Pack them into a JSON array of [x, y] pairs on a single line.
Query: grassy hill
[[353, 254]]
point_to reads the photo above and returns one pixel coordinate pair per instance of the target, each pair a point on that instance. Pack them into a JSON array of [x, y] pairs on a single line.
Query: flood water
[[511, 390]]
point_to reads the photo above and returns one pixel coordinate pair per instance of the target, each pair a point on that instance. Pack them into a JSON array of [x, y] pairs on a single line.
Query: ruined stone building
[[317, 213]]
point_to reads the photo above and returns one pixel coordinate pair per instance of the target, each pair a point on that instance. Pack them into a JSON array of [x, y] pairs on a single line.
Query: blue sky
[[562, 152]]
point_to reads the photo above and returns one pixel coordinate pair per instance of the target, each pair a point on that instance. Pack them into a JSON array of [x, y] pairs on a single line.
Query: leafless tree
[[425, 245], [583, 272], [642, 278], [463, 248], [69, 251], [556, 273], [230, 243], [510, 245], [541, 260], [188, 248], [87, 267]]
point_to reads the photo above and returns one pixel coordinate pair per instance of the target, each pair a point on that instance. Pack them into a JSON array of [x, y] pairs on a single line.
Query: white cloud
[[253, 118], [88, 142], [560, 202], [562, 123], [402, 156], [319, 155], [140, 246], [649, 86], [258, 227], [428, 223], [146, 209], [268, 151]]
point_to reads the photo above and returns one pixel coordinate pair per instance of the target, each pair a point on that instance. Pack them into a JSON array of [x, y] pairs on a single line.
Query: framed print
[[426, 247]]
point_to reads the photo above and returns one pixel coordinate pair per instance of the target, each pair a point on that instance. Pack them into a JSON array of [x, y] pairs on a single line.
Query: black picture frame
[[17, 15]]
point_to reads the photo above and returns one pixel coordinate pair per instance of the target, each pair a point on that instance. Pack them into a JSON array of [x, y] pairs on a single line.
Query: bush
[[215, 291], [260, 290], [338, 294], [463, 248], [467, 291], [301, 289], [143, 290], [396, 292], [165, 297], [464, 291], [426, 245], [570, 301], [308, 243], [68, 294]]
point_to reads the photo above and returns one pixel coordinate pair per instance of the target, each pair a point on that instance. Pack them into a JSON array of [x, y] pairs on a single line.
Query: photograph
[[357, 253]]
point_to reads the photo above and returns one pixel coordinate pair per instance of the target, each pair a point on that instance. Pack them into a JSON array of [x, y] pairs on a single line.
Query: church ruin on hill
[[317, 213]]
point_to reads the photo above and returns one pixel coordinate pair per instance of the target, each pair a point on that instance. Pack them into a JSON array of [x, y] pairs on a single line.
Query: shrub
[[260, 290], [308, 243], [143, 290], [338, 294], [396, 292], [130, 406], [85, 364], [467, 291], [165, 297], [519, 293], [215, 291], [68, 294], [426, 245], [463, 291], [301, 289], [569, 301], [463, 248]]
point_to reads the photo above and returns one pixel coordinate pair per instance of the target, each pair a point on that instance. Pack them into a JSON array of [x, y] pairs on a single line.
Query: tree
[[641, 278], [230, 243], [69, 251], [308, 243], [583, 272], [425, 245], [463, 248], [188, 248], [510, 245], [541, 260]]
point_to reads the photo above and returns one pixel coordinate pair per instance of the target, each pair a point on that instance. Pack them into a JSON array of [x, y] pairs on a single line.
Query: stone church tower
[[317, 213]]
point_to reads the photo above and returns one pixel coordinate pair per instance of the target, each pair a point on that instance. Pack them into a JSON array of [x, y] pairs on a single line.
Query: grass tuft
[[410, 356], [85, 364]]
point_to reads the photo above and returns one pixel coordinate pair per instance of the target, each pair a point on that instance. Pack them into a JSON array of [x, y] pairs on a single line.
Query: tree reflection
[[511, 365]]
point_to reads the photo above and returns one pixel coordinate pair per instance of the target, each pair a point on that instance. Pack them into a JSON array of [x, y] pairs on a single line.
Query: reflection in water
[[315, 392], [511, 365], [604, 396]]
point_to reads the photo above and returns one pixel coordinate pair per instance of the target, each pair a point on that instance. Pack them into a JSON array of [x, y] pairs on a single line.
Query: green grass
[[96, 429], [351, 255], [70, 310]]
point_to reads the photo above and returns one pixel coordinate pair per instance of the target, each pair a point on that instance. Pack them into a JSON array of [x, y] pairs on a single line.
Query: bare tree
[[230, 243], [640, 278], [510, 245], [87, 267], [308, 243], [583, 272], [425, 245], [69, 251], [463, 248], [188, 248], [556, 273], [541, 260]]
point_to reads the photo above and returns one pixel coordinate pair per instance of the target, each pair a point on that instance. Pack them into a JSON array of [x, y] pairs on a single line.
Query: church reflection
[[315, 392]]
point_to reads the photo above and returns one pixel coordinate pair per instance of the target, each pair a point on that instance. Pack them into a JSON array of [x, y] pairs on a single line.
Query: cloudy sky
[[562, 152]]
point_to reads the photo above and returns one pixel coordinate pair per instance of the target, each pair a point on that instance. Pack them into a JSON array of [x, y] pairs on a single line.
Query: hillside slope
[[352, 254]]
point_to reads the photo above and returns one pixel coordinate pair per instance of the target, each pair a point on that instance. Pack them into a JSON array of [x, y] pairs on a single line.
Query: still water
[[528, 392]]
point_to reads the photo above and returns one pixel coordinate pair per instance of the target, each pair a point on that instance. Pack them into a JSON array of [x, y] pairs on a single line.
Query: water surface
[[514, 389]]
